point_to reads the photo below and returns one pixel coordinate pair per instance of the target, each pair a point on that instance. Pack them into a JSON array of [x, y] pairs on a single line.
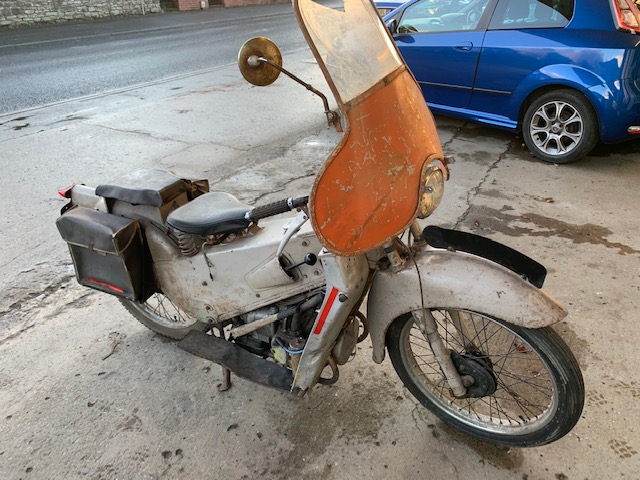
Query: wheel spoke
[[160, 310], [567, 113], [545, 390], [494, 400], [537, 131], [524, 391], [573, 137], [541, 115]]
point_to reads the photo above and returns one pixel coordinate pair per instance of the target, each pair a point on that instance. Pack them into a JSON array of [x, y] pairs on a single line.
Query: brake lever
[[293, 228]]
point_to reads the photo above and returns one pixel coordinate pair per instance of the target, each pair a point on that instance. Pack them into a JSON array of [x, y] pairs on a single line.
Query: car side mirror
[[392, 25]]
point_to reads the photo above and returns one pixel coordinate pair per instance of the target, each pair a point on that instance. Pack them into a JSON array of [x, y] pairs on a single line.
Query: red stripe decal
[[325, 311], [106, 285]]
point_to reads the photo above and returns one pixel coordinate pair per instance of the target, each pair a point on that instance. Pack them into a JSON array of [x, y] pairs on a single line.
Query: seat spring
[[187, 243]]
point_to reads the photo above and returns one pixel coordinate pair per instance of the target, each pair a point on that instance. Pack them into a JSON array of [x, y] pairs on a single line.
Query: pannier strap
[[154, 187], [215, 213]]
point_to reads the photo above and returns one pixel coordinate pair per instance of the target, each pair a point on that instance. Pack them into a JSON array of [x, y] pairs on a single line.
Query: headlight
[[433, 181]]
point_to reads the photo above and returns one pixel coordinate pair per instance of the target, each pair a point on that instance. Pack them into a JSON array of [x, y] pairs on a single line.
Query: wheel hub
[[556, 127], [477, 369]]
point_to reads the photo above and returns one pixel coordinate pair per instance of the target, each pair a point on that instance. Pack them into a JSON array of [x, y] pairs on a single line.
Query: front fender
[[455, 279]]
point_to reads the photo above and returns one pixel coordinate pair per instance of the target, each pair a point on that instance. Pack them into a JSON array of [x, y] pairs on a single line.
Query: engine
[[280, 331]]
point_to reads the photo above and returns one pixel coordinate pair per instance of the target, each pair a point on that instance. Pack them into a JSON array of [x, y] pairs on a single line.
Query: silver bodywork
[[456, 280], [346, 284], [229, 279]]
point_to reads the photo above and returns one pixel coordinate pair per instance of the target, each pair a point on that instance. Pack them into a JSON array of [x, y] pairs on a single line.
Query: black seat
[[151, 186], [214, 213]]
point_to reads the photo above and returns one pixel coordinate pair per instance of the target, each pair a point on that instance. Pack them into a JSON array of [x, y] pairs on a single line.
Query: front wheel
[[159, 314], [560, 127], [537, 391]]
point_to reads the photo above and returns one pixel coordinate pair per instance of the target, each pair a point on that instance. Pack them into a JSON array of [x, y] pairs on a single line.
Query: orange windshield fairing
[[368, 190]]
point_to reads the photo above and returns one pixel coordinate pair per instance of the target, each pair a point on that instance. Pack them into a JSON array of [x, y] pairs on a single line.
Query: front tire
[[540, 391], [159, 314], [560, 127]]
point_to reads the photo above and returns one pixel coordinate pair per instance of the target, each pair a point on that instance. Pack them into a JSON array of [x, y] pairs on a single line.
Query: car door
[[524, 37], [441, 40]]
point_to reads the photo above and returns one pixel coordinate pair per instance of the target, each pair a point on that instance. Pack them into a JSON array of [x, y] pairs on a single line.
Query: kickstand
[[226, 380], [226, 373]]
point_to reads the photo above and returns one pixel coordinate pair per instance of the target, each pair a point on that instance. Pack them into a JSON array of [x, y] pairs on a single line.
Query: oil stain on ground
[[354, 414], [486, 218], [502, 457]]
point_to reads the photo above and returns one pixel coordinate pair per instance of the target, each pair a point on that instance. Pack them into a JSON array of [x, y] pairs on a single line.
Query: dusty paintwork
[[456, 280], [226, 280], [347, 277], [368, 190]]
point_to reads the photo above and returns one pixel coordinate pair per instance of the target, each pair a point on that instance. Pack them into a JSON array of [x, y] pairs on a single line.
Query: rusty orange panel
[[368, 190]]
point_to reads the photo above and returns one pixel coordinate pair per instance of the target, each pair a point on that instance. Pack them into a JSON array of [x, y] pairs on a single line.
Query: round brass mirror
[[251, 61]]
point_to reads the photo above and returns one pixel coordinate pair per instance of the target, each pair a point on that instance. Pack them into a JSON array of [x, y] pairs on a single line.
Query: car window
[[519, 14], [442, 16]]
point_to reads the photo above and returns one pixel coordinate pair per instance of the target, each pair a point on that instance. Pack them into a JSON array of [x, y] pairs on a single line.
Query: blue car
[[563, 73], [386, 6]]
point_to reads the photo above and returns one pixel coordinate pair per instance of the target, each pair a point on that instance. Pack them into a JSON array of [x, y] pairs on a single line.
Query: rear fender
[[455, 279]]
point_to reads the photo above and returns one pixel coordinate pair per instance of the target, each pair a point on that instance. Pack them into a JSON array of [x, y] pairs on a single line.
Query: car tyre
[[560, 127]]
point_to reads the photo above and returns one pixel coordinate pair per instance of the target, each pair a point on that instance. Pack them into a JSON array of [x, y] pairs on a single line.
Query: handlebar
[[275, 208]]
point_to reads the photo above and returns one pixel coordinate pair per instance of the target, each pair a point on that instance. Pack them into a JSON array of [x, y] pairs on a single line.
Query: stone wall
[[28, 12]]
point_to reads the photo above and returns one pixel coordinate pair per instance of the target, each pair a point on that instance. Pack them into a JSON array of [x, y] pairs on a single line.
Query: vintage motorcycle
[[280, 300]]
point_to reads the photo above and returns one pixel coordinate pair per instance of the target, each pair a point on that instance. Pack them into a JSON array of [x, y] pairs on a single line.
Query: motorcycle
[[281, 300]]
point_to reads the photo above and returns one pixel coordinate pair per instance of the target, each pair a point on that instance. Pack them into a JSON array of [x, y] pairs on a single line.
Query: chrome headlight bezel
[[432, 192]]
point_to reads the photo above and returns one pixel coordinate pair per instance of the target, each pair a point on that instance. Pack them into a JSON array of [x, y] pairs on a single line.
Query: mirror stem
[[332, 116]]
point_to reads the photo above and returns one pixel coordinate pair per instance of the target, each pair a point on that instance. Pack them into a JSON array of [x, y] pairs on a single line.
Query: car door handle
[[463, 46]]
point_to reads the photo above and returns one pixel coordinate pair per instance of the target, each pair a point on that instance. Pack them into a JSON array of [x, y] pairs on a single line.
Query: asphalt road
[[48, 64]]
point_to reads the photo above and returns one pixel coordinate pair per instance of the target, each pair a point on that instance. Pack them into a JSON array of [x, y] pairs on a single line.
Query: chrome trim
[[488, 90], [460, 87]]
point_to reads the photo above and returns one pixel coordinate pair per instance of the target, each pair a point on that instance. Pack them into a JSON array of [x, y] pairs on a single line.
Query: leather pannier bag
[[109, 252]]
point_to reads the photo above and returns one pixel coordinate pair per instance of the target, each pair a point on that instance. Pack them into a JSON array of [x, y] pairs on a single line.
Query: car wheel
[[560, 127]]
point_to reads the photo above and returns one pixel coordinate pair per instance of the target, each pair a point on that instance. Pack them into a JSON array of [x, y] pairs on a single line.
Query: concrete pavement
[[87, 392]]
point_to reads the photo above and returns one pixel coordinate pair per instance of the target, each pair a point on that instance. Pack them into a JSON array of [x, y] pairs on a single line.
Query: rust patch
[[486, 218]]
